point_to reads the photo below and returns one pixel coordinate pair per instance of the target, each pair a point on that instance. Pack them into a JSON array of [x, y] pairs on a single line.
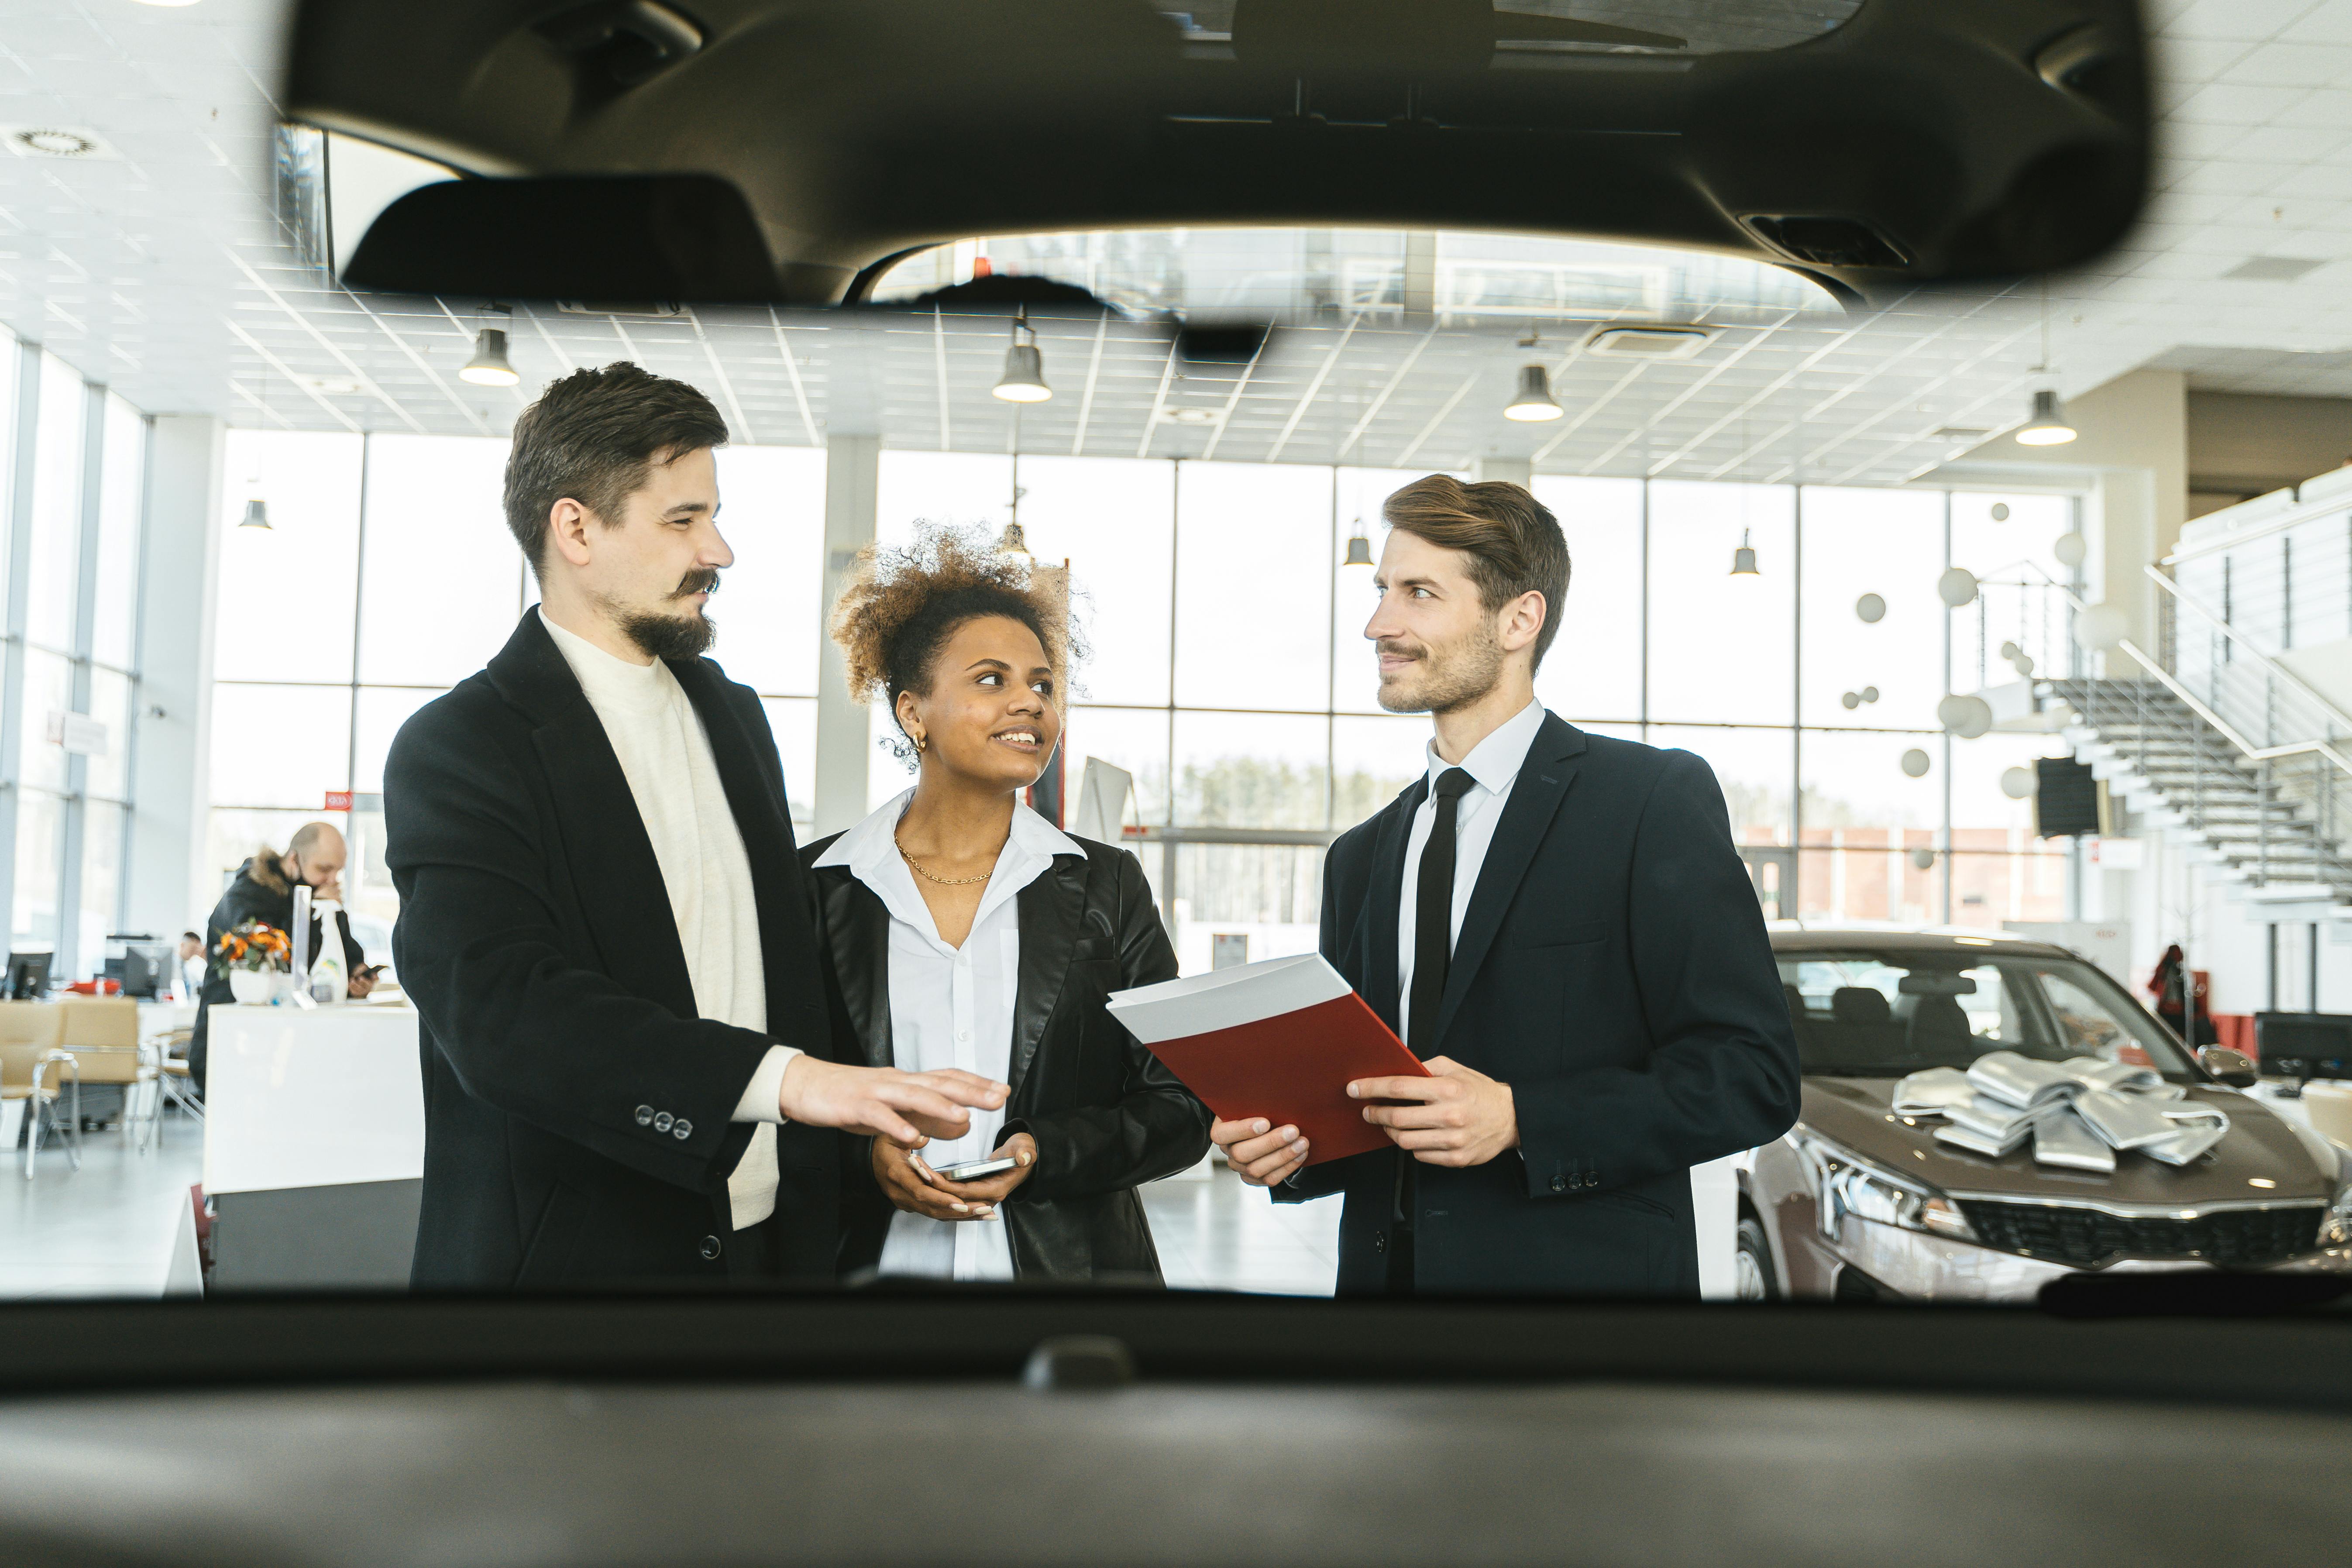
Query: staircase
[[2276, 824]]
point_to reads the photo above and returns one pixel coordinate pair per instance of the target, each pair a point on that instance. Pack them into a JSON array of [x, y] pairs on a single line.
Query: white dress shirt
[[952, 1008], [664, 754], [1494, 767]]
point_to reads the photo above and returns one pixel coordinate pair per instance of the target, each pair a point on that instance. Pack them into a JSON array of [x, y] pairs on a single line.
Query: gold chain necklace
[[929, 876]]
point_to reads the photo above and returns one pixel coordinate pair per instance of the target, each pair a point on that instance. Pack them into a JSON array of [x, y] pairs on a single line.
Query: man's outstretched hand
[[1459, 1116], [904, 1107]]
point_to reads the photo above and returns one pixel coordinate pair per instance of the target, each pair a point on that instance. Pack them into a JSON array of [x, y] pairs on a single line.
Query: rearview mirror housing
[[2232, 1067]]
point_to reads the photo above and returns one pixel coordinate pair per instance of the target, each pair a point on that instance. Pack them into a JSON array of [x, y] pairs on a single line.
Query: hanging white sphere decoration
[[2009, 650], [2024, 663], [1957, 588], [1914, 762], [1967, 716], [1870, 694], [1851, 700], [1924, 859], [2001, 511], [2018, 783], [2072, 550], [2101, 626], [1871, 608]]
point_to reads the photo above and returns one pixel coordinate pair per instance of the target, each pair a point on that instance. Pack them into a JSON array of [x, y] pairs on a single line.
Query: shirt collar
[[870, 852], [1496, 761]]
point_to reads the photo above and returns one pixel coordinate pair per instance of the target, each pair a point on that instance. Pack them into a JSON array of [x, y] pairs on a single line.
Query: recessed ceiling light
[[1188, 415], [56, 141], [2272, 269], [1648, 342], [332, 386]]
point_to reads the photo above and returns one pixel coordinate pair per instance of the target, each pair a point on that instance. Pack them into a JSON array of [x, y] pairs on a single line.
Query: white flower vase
[[253, 987]]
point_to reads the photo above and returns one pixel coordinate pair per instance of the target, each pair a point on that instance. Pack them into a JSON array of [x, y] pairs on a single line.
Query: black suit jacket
[[576, 1107], [1612, 968], [1106, 1115]]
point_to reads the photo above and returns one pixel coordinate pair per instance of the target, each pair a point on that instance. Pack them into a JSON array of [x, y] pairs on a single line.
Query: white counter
[[307, 1099]]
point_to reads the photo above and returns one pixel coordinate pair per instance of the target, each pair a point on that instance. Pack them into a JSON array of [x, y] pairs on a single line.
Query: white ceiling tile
[[2227, 176], [2287, 143], [2254, 20], [2330, 107], [2233, 103], [2293, 65], [2195, 59], [2322, 179], [2330, 23]]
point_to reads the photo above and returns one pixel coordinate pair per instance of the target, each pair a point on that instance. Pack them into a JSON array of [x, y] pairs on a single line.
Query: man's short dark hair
[[593, 438], [1513, 542]]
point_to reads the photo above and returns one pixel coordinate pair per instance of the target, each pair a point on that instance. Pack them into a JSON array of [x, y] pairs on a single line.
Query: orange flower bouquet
[[263, 948]]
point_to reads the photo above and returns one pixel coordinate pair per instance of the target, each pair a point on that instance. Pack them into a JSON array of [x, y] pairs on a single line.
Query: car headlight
[[1845, 1183]]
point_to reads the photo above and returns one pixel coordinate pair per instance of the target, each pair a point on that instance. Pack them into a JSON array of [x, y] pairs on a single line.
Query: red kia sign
[[339, 800]]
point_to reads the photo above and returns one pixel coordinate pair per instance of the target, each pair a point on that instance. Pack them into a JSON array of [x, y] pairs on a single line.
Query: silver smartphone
[[976, 1169]]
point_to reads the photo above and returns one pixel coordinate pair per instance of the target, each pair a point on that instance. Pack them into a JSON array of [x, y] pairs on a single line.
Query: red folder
[[1281, 1039]]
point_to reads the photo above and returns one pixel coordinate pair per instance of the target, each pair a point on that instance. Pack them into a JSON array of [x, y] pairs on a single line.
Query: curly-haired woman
[[966, 931]]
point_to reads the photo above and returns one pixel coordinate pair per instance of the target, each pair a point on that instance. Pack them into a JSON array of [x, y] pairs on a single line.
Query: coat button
[[682, 1129], [644, 1115], [1560, 1183], [662, 1121], [710, 1247], [1380, 1241]]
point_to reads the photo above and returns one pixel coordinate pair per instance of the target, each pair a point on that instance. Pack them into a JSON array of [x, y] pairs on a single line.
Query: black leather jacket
[[1105, 1113]]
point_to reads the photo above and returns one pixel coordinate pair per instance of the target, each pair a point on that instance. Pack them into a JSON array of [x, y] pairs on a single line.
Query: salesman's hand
[[904, 1107], [1458, 1117], [361, 983], [1260, 1152]]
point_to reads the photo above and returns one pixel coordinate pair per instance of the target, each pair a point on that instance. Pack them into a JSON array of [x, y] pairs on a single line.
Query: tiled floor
[[108, 1228], [1219, 1235], [104, 1230]]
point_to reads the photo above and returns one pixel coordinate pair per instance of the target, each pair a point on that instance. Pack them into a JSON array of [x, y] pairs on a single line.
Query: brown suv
[[1982, 1114]]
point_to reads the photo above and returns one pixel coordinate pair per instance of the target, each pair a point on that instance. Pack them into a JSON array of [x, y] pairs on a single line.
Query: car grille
[[2088, 1239]]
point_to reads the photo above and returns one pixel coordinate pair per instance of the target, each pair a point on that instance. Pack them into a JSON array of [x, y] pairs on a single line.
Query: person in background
[[1559, 926], [188, 980], [262, 889], [2170, 986], [965, 931]]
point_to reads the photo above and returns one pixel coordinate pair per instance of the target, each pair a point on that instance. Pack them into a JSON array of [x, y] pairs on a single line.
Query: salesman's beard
[[685, 633], [1441, 680]]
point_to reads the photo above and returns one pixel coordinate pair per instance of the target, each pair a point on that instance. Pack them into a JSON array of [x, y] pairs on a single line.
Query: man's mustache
[[1402, 650], [703, 581]]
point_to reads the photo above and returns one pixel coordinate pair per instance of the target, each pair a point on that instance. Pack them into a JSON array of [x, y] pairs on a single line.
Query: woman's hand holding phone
[[908, 1180]]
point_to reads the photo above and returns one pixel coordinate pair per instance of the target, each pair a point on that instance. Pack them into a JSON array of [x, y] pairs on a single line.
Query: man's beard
[[1453, 678], [673, 635]]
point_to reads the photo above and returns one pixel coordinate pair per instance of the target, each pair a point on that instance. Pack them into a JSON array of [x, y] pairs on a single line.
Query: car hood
[[1857, 1112]]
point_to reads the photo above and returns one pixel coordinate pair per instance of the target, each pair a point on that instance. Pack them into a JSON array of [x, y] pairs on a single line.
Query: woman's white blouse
[[952, 1008]]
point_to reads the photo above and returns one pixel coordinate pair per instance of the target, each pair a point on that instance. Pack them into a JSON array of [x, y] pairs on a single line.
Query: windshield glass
[[1874, 1014]]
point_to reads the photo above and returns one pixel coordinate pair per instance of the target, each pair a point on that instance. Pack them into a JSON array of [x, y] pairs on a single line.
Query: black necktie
[[1432, 920]]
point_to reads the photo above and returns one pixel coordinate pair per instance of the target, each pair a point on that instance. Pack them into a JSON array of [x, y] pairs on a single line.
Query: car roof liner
[[1911, 140]]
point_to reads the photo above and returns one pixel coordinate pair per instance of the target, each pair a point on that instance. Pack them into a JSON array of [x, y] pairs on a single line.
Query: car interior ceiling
[[776, 151]]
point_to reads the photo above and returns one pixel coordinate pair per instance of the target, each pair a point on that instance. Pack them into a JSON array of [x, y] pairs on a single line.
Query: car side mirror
[[2230, 1066]]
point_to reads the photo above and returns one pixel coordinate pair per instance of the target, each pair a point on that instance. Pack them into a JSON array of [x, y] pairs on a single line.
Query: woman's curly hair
[[902, 602]]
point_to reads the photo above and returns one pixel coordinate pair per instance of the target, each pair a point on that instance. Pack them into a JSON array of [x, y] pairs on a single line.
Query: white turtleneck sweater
[[666, 756]]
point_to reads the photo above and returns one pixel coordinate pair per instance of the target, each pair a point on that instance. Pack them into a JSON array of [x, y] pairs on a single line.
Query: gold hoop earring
[[920, 743]]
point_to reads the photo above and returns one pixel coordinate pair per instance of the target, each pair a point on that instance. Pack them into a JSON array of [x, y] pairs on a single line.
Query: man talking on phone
[[1558, 926]]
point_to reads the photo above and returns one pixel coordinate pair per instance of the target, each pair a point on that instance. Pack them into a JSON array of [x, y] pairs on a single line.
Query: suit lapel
[[1050, 908], [1542, 784], [1388, 902]]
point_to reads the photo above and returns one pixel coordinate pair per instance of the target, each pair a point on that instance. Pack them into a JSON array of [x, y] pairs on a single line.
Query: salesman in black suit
[[1557, 925], [603, 922]]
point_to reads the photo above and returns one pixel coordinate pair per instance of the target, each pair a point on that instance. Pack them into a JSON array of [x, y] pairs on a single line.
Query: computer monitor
[[145, 968], [28, 976], [2303, 1045]]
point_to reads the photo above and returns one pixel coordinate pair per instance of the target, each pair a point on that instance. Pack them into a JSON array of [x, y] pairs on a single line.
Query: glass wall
[[76, 468], [1228, 672]]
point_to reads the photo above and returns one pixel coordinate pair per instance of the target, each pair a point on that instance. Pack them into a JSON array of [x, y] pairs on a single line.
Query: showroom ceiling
[[151, 263]]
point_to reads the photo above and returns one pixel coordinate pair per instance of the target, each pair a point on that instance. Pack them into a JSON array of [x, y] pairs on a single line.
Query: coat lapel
[[1050, 908], [1536, 794], [1388, 903], [858, 930], [755, 797], [611, 858]]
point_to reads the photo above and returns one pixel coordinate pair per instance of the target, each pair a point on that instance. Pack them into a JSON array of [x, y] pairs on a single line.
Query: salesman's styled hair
[[903, 603], [1513, 542], [593, 438]]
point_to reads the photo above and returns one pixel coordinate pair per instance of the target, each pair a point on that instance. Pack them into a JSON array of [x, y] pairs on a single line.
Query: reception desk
[[314, 1146]]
